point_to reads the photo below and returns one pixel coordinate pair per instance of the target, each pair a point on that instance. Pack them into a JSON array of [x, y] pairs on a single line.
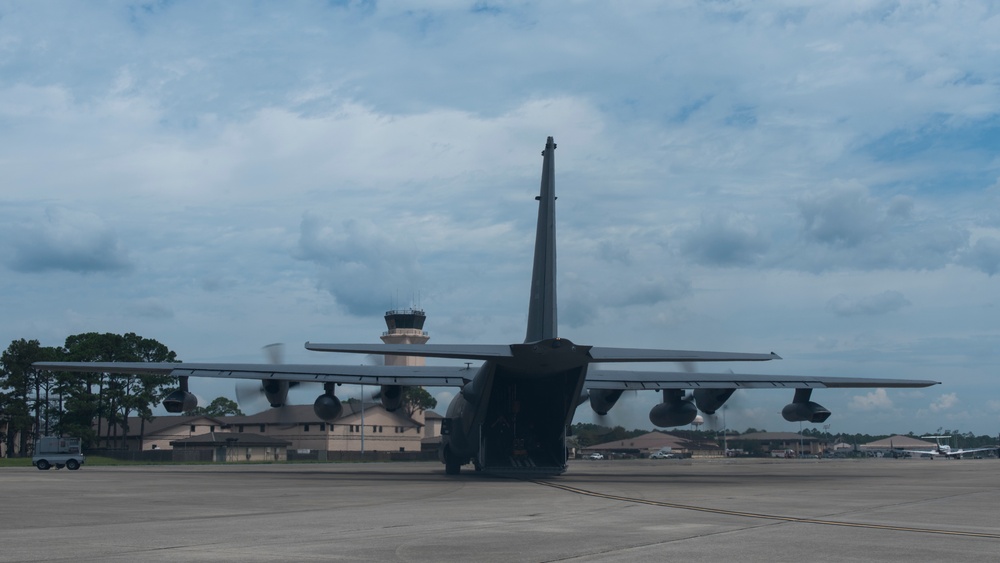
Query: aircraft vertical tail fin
[[542, 321]]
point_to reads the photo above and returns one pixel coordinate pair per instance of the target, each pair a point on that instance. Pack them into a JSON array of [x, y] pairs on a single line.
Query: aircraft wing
[[428, 376], [622, 379], [963, 452], [499, 351]]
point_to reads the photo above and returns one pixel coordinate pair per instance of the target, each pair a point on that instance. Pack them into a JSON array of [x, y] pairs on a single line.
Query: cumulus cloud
[[724, 240], [984, 255], [361, 265], [879, 304], [611, 251], [847, 227], [151, 308], [847, 216], [944, 402], [68, 240], [877, 400], [648, 291]]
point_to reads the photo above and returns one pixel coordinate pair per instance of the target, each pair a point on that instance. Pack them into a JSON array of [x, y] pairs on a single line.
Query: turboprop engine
[[801, 409], [675, 410], [711, 400], [180, 400], [275, 391], [391, 396], [327, 406], [601, 400]]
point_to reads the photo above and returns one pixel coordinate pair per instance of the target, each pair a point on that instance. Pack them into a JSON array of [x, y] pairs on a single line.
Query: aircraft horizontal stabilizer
[[454, 351]]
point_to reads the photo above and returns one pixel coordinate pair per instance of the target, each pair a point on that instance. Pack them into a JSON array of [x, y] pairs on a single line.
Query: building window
[[192, 428], [305, 428], [241, 428], [261, 428], [211, 428], [322, 427]]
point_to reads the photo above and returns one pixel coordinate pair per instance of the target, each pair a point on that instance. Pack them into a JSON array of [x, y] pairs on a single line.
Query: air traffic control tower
[[406, 326]]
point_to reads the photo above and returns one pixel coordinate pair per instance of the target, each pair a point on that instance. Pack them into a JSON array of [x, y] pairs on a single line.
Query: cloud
[[877, 400], [846, 216], [879, 304], [845, 227], [984, 255], [152, 308], [724, 240], [944, 402], [614, 252], [361, 265], [648, 291], [68, 240]]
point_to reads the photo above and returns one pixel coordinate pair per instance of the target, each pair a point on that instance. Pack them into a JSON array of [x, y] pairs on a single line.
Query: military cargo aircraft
[[511, 412]]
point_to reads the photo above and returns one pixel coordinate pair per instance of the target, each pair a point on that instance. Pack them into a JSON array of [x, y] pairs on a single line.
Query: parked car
[[595, 455], [662, 455]]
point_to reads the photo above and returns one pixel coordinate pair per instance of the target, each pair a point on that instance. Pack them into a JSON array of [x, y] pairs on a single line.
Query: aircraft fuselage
[[512, 417]]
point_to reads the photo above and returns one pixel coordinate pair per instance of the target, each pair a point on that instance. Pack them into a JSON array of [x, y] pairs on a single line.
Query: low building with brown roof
[[898, 442], [773, 442], [652, 442], [232, 447]]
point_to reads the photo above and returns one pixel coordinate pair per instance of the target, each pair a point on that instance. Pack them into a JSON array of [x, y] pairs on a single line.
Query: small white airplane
[[945, 450]]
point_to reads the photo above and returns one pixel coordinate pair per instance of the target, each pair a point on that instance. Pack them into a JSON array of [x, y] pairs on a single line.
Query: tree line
[[90, 406]]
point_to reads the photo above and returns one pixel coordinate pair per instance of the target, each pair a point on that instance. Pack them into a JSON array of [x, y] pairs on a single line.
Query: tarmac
[[633, 510]]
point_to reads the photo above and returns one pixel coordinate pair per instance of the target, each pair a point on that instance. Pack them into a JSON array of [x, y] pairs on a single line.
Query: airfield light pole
[[362, 421]]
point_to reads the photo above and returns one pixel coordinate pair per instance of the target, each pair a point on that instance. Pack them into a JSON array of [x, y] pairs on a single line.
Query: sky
[[817, 180]]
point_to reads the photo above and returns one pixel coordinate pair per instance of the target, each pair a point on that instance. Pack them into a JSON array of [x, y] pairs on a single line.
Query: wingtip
[[775, 356]]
